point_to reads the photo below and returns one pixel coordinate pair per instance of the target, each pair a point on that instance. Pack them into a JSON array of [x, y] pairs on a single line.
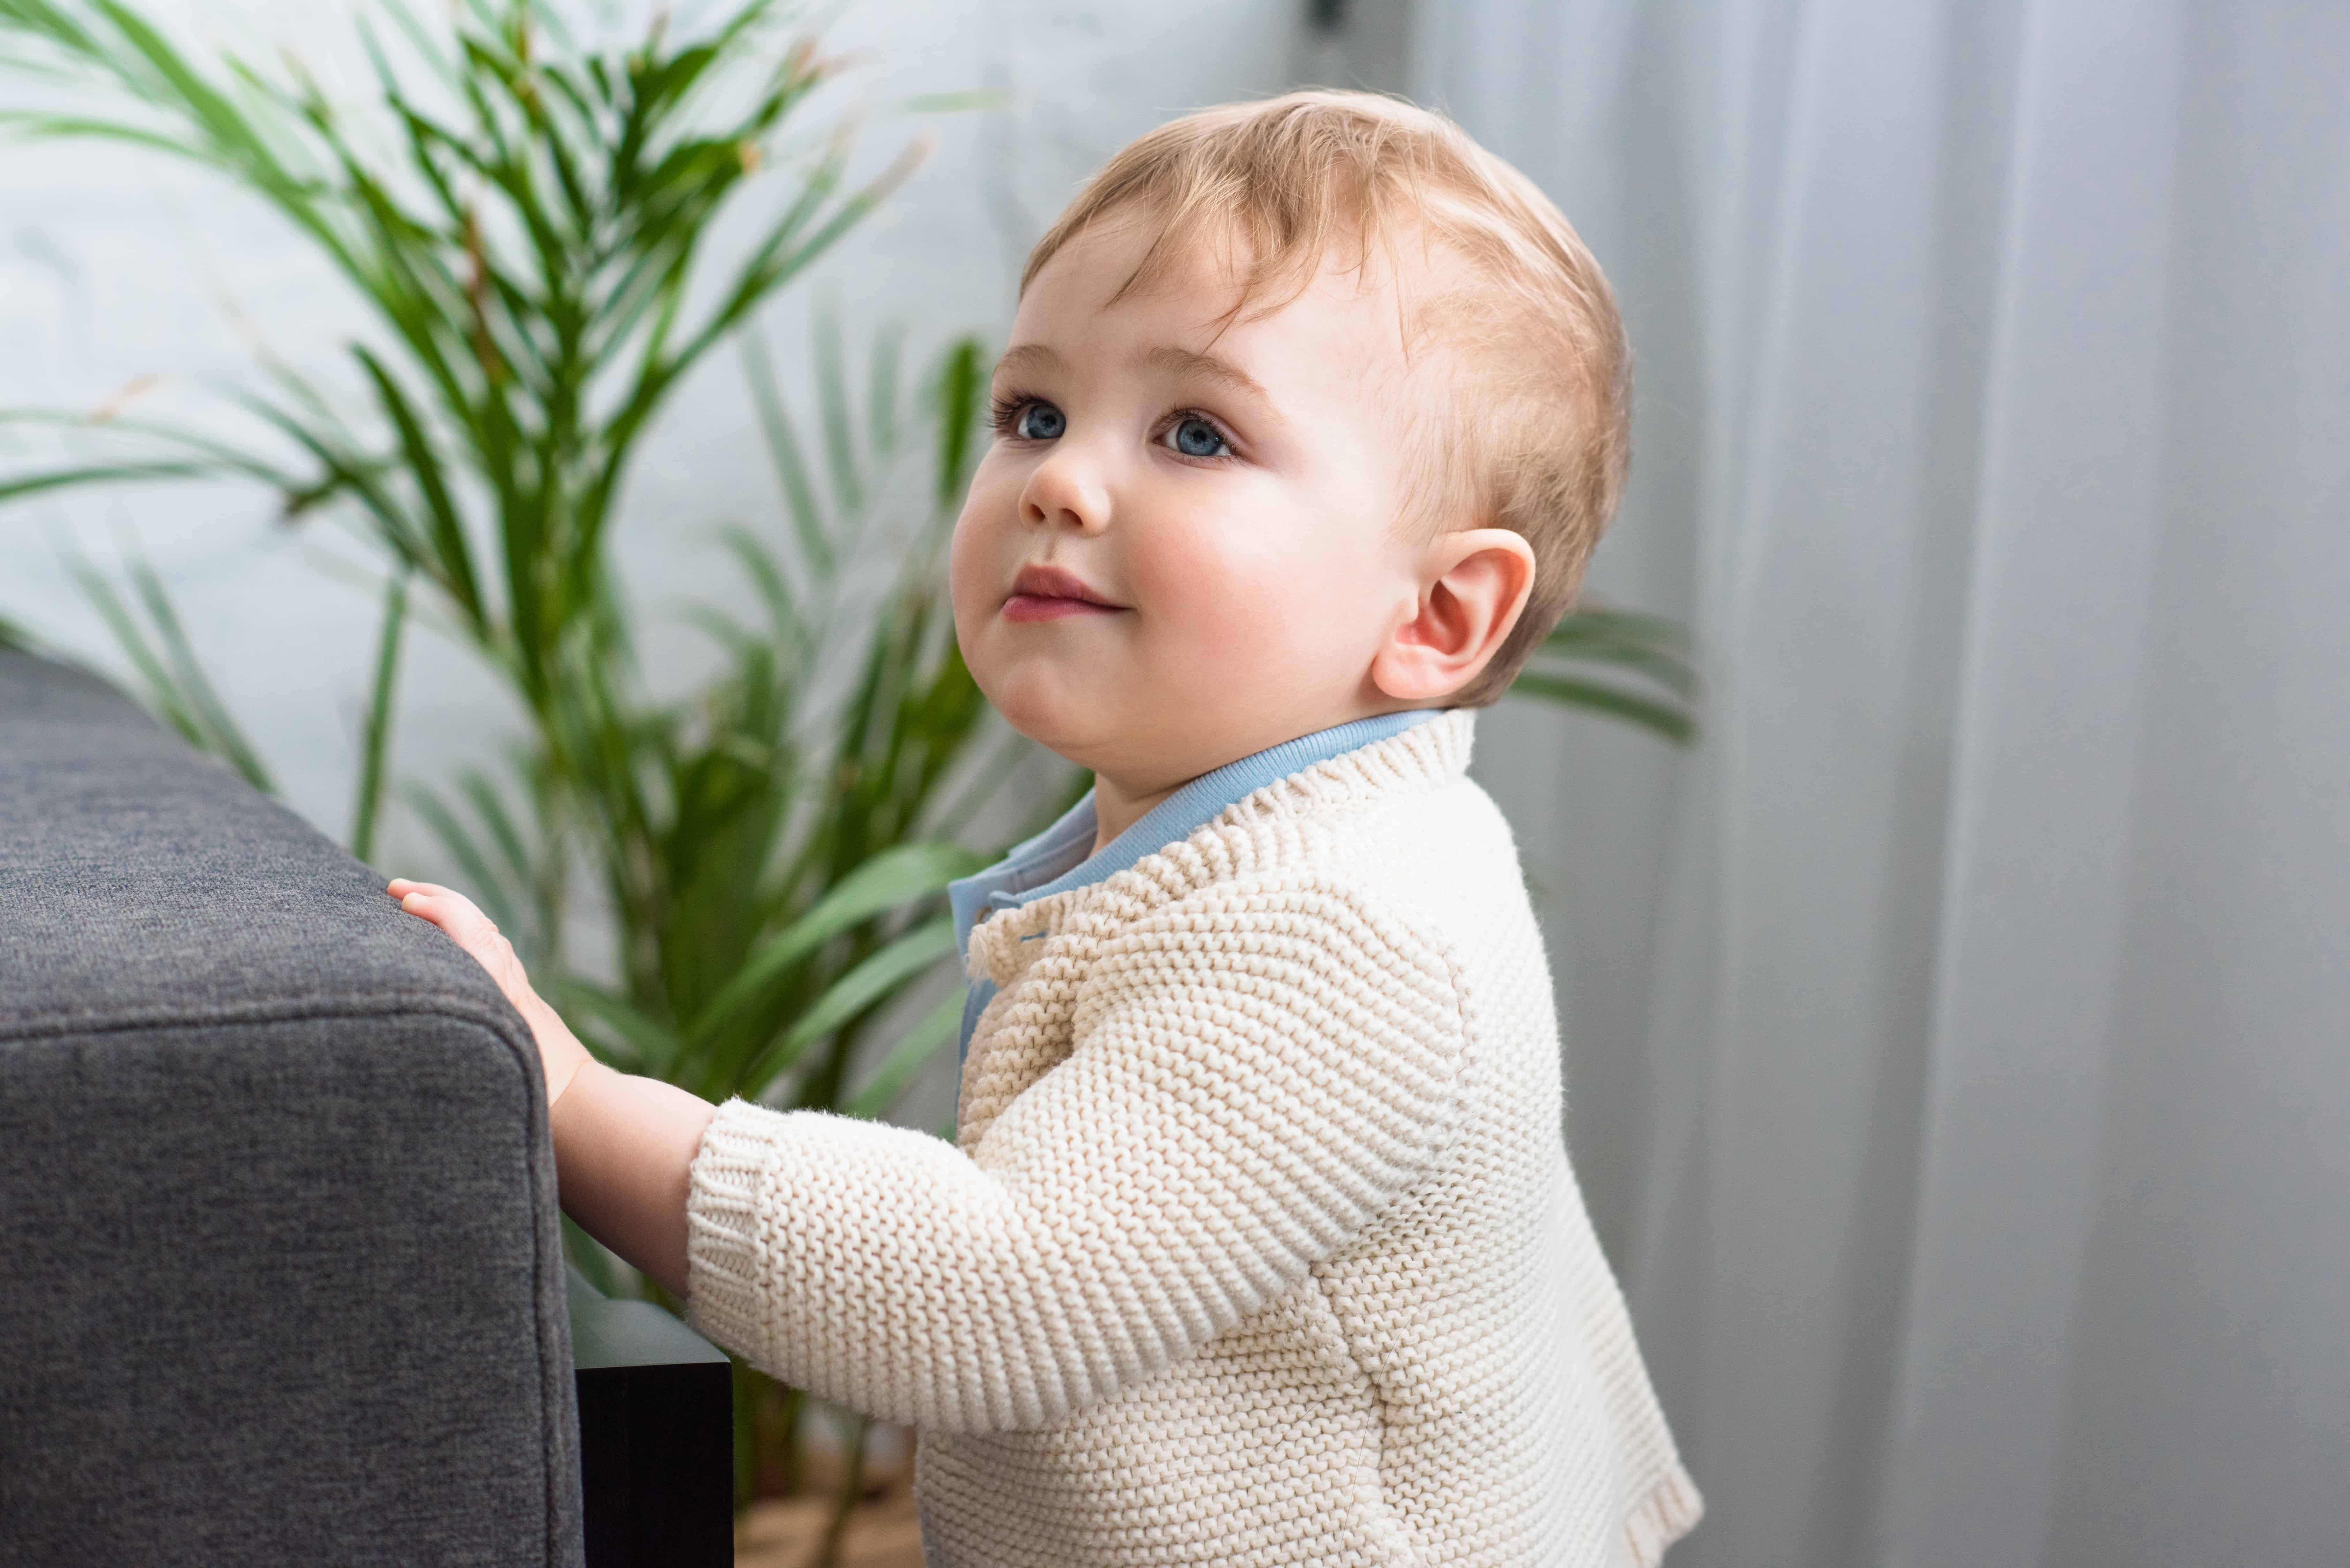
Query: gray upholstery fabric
[[280, 1272]]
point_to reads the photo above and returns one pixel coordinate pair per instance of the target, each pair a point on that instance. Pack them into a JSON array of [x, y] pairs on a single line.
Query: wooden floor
[[785, 1533]]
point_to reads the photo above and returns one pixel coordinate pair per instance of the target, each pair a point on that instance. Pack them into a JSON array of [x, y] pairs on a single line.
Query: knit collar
[[1056, 860]]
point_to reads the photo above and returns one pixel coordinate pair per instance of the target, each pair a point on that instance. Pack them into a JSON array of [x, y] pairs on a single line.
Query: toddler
[[1257, 1244]]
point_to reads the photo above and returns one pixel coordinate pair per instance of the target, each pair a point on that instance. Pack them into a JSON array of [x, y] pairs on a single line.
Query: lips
[[1049, 593]]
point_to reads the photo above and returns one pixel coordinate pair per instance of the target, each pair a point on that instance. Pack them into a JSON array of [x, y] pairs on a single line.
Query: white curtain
[[1959, 1038]]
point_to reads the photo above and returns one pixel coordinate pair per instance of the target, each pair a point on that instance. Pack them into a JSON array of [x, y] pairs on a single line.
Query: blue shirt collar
[[1061, 858]]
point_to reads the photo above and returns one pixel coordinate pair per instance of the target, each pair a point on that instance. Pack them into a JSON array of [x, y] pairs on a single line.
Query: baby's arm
[[624, 1147], [1258, 1077], [1258, 1074]]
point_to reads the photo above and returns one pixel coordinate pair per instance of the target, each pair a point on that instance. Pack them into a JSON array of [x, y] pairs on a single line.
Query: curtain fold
[[1957, 1036]]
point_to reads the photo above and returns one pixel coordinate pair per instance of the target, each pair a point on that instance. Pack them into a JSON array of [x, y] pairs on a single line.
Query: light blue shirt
[[1055, 860]]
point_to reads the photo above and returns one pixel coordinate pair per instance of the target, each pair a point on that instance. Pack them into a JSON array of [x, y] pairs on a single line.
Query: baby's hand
[[559, 1051]]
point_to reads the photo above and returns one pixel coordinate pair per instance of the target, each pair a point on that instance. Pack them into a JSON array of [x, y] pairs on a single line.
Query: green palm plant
[[533, 251]]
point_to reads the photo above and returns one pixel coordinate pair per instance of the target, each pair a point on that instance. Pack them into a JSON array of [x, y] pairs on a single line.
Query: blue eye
[[1040, 421], [1195, 437]]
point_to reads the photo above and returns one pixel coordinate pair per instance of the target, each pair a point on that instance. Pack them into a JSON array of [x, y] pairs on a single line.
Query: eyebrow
[[1036, 359], [1207, 367], [1180, 361], [1026, 357]]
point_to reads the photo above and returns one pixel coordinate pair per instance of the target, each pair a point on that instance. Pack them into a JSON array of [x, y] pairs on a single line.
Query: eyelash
[[1005, 414], [1167, 428], [1004, 417]]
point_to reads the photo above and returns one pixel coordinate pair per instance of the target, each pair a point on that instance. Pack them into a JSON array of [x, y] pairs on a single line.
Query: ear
[[1473, 589]]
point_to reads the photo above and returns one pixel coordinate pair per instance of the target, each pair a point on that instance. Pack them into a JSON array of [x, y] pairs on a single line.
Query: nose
[[1066, 491]]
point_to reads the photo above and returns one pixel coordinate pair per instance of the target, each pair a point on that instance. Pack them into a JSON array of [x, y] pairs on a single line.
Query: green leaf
[[833, 403], [961, 391], [102, 473], [34, 127], [222, 735], [492, 810], [881, 393], [1650, 645], [920, 1046], [874, 981], [377, 743], [894, 877], [132, 640], [1671, 722], [596, 1262], [487, 889], [625, 1037], [759, 565], [784, 453], [452, 554]]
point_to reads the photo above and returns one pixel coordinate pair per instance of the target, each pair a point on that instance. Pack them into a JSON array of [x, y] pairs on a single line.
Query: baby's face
[[1184, 544]]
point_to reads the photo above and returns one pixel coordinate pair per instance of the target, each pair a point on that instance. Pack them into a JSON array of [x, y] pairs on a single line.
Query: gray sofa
[[281, 1279]]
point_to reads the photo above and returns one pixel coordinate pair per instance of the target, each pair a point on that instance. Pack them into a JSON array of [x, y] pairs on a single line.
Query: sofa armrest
[[283, 1270]]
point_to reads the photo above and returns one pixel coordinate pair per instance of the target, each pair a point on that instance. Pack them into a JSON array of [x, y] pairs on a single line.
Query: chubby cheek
[[977, 554], [1232, 607], [967, 555], [1021, 675]]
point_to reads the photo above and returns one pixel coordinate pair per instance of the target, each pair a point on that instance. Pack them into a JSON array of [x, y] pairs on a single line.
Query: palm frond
[[171, 678], [1619, 664]]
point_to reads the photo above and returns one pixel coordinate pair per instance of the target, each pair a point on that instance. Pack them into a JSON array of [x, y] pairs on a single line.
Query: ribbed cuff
[[1670, 1511], [725, 1247]]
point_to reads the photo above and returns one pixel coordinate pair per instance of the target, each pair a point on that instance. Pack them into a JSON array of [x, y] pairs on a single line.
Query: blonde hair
[[1535, 437]]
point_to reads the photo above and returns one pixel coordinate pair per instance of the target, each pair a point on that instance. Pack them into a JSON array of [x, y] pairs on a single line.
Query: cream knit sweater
[[1257, 1245]]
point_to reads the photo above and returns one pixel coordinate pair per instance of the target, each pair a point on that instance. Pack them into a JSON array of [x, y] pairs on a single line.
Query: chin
[[1043, 705]]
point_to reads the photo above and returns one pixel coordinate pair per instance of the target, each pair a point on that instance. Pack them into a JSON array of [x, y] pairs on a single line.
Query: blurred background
[[1957, 1030]]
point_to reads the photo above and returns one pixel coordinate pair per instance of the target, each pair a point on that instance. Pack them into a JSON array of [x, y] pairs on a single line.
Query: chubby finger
[[478, 935], [404, 887], [429, 900], [464, 923]]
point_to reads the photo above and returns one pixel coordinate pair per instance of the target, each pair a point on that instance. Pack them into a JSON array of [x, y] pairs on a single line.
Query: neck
[[1120, 802], [1118, 808]]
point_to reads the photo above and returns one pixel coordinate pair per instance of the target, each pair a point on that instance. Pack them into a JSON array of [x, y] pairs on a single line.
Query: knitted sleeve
[[1254, 1073]]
